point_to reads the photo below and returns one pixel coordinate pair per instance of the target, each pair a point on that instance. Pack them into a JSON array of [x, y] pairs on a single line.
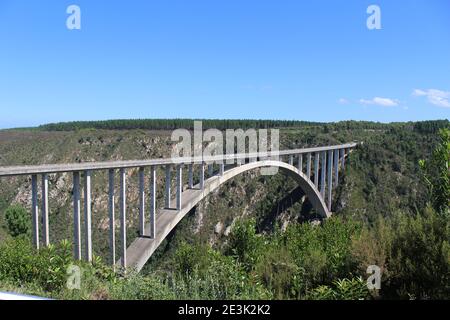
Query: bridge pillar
[[210, 169], [179, 185], [87, 216], [35, 210], [291, 159], [152, 202], [316, 169], [191, 176], [222, 168], [330, 177], [308, 165], [202, 175], [168, 178], [112, 225], [336, 167], [123, 220], [45, 209], [300, 162], [141, 201], [323, 173], [76, 216], [343, 158]]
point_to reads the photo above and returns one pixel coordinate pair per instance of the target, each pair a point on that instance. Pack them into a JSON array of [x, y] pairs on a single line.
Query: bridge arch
[[142, 248]]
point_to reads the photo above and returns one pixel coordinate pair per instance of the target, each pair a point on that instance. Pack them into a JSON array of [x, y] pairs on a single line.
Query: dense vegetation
[[171, 124], [304, 262], [392, 210]]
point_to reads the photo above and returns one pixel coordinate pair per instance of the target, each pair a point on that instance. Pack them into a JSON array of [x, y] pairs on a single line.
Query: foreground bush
[[326, 261], [345, 289], [413, 252], [21, 264]]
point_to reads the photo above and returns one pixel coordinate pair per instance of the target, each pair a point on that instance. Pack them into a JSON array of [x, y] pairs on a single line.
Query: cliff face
[[382, 175]]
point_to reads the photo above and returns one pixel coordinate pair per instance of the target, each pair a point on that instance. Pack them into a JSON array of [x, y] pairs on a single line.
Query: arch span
[[142, 248]]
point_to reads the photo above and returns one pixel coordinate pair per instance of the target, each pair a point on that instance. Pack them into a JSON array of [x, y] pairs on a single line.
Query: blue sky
[[263, 59]]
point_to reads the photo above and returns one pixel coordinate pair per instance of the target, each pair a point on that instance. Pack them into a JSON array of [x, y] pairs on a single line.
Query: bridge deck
[[73, 167]]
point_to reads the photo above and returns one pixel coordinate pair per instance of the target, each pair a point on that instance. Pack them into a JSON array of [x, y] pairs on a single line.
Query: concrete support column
[[222, 168], [330, 177], [308, 165], [123, 217], [141, 202], [87, 216], [112, 225], [300, 162], [210, 169], [76, 216], [35, 210], [168, 193], [291, 159], [202, 175], [343, 158], [152, 202], [336, 167], [179, 185], [323, 173], [316, 170], [45, 228], [191, 176]]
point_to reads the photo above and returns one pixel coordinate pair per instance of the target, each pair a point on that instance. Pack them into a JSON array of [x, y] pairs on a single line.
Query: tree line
[[171, 124], [431, 126]]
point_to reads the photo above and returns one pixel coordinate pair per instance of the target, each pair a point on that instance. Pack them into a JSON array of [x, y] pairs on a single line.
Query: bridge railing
[[324, 160]]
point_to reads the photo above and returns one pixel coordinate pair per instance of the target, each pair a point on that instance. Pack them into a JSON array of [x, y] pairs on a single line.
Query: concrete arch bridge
[[316, 170]]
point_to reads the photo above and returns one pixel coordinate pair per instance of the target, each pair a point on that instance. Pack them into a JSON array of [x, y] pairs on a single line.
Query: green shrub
[[342, 289], [21, 263], [17, 220], [192, 257], [419, 264], [200, 272], [436, 173], [323, 252], [279, 272], [136, 287], [413, 252], [245, 244]]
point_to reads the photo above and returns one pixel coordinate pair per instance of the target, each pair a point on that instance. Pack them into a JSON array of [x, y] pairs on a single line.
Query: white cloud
[[418, 93], [385, 102], [437, 97], [343, 101]]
